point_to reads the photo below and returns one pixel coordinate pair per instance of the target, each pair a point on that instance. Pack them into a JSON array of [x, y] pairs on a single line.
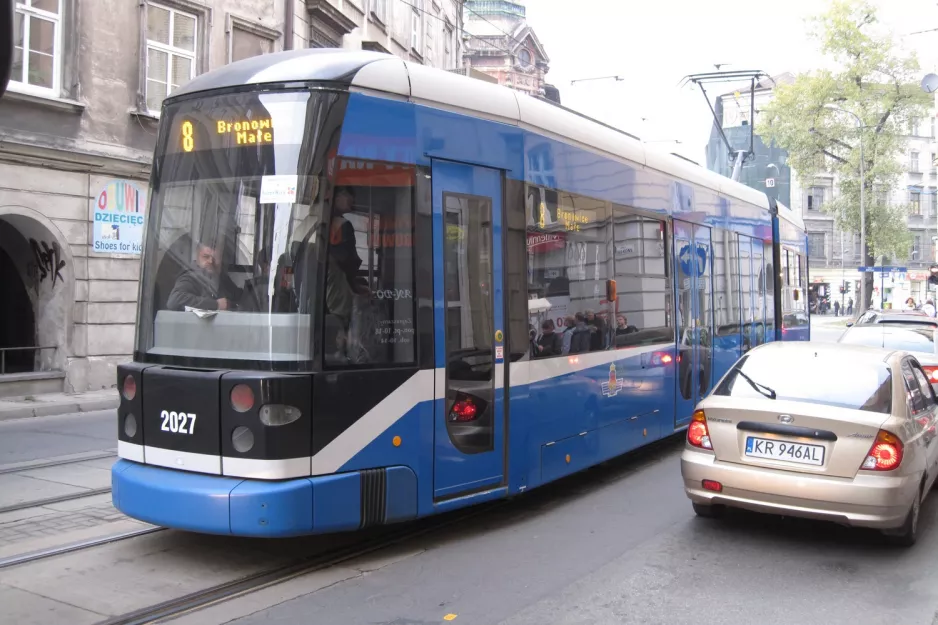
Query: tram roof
[[378, 73]]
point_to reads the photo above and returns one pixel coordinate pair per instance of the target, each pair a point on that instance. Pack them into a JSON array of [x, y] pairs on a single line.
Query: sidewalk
[[57, 403]]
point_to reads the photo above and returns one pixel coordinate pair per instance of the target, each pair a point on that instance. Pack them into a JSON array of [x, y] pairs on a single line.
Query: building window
[[815, 198], [913, 126], [816, 246], [415, 23], [915, 199], [913, 162], [917, 247], [379, 8], [37, 46], [171, 50], [933, 127], [245, 43], [448, 47]]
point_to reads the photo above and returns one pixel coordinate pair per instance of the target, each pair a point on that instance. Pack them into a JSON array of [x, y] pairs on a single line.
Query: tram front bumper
[[214, 504]]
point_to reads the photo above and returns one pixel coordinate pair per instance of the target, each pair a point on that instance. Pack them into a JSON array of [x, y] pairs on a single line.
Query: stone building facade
[[500, 43], [77, 131]]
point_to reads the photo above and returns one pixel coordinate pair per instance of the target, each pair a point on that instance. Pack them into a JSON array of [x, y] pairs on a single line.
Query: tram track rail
[[42, 554], [45, 464], [38, 503], [310, 563]]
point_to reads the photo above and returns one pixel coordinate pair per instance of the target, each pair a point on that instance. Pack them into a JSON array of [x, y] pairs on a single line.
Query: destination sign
[[243, 132]]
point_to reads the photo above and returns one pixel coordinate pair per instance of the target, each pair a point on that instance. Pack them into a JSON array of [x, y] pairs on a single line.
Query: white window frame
[[379, 9], [915, 200], [55, 91], [914, 165], [415, 31], [170, 51]]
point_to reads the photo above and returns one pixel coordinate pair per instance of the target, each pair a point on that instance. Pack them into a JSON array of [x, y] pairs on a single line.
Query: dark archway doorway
[[17, 321]]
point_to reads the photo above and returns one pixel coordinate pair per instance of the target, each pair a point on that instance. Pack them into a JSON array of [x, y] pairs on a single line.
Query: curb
[[29, 410]]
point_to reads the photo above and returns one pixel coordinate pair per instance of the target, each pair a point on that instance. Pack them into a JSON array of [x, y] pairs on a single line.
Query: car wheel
[[707, 511], [907, 534]]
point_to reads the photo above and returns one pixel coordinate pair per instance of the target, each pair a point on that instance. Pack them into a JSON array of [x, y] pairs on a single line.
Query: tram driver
[[206, 286]]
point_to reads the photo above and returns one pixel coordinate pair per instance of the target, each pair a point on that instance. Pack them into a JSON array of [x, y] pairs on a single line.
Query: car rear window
[[822, 377], [911, 338]]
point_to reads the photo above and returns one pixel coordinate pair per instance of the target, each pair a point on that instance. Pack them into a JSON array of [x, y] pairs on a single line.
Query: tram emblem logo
[[613, 385]]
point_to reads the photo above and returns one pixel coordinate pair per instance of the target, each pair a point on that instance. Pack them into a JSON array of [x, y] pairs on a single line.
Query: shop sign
[[119, 216]]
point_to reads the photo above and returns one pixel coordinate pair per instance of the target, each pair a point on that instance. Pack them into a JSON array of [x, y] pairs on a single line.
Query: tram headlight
[[242, 439], [279, 414], [130, 425]]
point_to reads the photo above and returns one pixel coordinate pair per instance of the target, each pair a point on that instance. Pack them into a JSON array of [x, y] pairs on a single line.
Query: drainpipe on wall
[[288, 24]]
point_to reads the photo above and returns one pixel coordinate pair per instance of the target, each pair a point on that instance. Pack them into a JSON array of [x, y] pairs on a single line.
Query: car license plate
[[783, 450]]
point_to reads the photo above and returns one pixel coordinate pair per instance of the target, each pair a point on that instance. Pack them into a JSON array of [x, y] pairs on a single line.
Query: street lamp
[[863, 295]]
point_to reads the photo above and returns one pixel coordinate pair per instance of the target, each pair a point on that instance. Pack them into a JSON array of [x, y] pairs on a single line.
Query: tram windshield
[[235, 236]]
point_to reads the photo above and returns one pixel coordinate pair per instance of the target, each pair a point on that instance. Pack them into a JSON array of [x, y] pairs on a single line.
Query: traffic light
[[933, 274]]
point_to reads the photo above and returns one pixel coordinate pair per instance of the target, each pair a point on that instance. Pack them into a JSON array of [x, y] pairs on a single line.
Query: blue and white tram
[[373, 291]]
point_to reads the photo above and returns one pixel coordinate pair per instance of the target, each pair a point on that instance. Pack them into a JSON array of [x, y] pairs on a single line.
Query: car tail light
[[659, 359], [698, 434], [932, 373], [885, 454], [130, 388], [712, 485], [242, 398]]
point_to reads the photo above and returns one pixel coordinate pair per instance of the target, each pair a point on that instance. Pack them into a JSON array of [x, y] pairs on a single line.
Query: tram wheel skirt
[[234, 506]]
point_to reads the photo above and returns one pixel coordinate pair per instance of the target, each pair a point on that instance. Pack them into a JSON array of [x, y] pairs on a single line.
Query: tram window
[[643, 312], [515, 271], [769, 289], [569, 249], [758, 292], [369, 282], [746, 281], [726, 282]]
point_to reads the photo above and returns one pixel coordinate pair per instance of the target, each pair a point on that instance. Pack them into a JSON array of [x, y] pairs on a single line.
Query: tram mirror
[[611, 293]]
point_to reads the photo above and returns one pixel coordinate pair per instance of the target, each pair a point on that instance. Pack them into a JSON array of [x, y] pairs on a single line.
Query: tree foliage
[[876, 81]]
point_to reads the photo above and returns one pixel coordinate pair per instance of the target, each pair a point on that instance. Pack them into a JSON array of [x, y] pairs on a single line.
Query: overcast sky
[[653, 44]]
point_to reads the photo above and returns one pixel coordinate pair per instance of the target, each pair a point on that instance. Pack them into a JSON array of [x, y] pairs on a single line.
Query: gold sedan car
[[835, 432]]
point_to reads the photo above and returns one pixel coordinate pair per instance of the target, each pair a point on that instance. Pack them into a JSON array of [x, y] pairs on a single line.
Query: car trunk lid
[[789, 435]]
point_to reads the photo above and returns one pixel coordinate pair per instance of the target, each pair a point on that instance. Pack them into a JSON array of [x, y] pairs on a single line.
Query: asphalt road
[[621, 545], [22, 440], [826, 329]]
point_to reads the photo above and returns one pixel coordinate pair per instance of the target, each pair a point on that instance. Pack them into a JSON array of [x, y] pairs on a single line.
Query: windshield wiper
[[768, 392]]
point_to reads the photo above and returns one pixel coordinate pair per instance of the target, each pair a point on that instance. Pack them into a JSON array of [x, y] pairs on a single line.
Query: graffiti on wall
[[47, 262]]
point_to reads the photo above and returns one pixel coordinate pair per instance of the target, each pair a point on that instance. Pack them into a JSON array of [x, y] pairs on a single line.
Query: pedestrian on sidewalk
[[929, 308], [850, 306], [836, 308]]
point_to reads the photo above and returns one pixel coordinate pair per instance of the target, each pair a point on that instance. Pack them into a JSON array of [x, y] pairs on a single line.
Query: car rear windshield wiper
[[759, 387]]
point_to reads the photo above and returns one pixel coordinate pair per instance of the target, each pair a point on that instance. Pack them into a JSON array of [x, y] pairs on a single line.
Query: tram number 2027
[[178, 422]]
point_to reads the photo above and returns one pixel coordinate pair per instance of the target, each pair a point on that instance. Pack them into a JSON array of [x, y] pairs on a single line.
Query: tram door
[[694, 318], [469, 343]]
